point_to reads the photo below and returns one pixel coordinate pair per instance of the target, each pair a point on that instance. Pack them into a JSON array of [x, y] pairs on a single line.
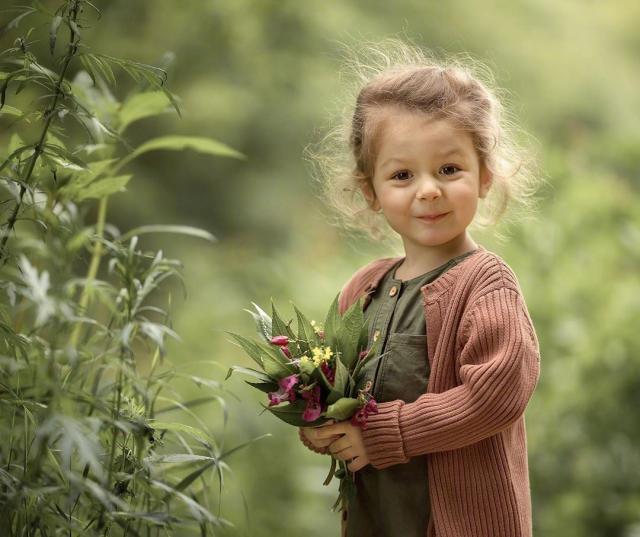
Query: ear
[[370, 195], [486, 180]]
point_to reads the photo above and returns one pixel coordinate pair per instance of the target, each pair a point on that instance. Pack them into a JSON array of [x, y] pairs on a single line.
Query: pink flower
[[282, 342], [363, 354], [359, 419], [321, 334], [286, 392], [287, 383], [275, 398], [328, 372], [314, 408]]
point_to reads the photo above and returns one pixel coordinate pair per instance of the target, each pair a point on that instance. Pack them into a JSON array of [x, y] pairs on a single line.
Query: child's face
[[425, 167]]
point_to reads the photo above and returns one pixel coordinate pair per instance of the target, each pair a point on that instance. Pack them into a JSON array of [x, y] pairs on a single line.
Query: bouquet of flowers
[[311, 373]]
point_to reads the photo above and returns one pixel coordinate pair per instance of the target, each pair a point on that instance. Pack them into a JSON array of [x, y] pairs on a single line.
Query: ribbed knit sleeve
[[497, 369]]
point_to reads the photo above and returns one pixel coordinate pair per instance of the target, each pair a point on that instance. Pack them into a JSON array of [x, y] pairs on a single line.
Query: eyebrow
[[444, 153]]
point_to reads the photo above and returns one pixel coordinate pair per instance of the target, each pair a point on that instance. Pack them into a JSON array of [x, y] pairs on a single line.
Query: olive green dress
[[395, 501]]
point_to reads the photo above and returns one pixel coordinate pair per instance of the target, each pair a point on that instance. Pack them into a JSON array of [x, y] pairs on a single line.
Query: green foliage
[[84, 371]]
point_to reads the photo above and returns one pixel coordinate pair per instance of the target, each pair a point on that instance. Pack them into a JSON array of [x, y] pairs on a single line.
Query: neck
[[420, 259]]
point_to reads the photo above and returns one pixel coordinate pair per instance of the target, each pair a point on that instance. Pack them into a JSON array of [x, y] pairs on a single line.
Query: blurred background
[[265, 78]]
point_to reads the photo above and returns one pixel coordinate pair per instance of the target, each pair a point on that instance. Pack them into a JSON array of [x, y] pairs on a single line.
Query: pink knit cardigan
[[485, 360]]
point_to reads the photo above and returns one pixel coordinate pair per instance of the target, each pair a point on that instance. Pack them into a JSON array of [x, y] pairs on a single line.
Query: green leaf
[[265, 387], [103, 187], [331, 325], [163, 228], [291, 413], [263, 322], [179, 143], [248, 371], [181, 427], [179, 458], [275, 368], [348, 334], [199, 513], [342, 409], [142, 105], [250, 347], [341, 378], [278, 327], [53, 32], [306, 334], [10, 110], [243, 445]]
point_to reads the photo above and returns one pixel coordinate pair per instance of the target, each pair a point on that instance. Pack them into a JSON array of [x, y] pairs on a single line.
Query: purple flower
[[287, 383], [275, 398], [286, 392], [359, 419], [314, 408], [312, 412], [328, 372]]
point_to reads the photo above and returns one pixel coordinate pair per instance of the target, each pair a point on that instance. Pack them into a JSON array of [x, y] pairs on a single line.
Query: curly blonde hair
[[459, 89]]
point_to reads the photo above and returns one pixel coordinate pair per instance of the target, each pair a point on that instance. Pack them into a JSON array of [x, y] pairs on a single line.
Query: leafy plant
[[87, 393]]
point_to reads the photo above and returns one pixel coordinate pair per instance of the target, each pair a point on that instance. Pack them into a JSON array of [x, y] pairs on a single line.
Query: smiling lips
[[433, 217]]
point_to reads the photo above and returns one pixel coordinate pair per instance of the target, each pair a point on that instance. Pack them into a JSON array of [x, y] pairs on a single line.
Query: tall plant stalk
[[84, 452], [71, 19]]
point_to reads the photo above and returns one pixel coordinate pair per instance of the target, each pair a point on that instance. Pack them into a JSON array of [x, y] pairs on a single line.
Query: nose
[[428, 188]]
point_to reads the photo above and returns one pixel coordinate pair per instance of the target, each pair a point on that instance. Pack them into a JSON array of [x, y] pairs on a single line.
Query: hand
[[348, 446], [312, 434]]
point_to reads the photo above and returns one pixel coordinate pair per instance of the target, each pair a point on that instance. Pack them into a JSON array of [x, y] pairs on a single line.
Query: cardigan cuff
[[305, 441], [382, 437]]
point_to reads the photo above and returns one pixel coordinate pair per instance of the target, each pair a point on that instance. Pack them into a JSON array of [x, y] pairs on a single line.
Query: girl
[[446, 453]]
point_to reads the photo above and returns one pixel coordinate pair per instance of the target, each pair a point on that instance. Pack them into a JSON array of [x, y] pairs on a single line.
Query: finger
[[339, 444], [329, 422], [329, 431], [345, 455], [357, 464]]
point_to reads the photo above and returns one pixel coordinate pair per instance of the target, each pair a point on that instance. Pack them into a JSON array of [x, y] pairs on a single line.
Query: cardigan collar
[[431, 291]]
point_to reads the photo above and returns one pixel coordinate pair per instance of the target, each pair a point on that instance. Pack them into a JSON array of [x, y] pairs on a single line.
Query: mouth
[[433, 217]]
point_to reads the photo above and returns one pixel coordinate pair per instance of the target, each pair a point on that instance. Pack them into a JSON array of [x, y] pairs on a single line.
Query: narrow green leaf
[[177, 458], [142, 105], [348, 334], [103, 187], [263, 322], [331, 324], [250, 347], [291, 413], [306, 334], [11, 111], [53, 32], [180, 427], [180, 143], [251, 372], [265, 387], [278, 326], [160, 228]]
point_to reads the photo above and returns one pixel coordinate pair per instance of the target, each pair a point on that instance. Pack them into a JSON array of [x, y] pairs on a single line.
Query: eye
[[452, 167], [402, 175]]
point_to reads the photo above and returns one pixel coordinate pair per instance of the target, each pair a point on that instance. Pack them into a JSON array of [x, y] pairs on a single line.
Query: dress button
[[393, 291], [376, 335]]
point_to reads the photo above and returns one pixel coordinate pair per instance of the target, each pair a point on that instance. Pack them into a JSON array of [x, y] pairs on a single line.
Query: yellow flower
[[320, 355]]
